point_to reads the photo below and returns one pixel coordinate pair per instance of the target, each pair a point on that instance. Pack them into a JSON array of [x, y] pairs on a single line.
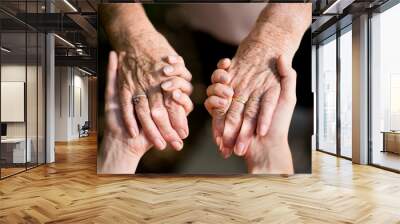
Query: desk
[[13, 150], [391, 141]]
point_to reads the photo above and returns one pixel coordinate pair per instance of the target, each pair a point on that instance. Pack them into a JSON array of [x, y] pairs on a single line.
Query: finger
[[233, 122], [224, 63], [268, 105], [218, 123], [220, 90], [112, 76], [160, 116], [174, 59], [220, 76], [177, 70], [288, 79], [177, 83], [183, 100], [217, 107], [149, 127], [247, 131], [213, 103], [177, 116], [128, 115]]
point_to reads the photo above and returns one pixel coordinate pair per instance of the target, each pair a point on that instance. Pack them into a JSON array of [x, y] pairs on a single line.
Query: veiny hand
[[143, 66], [269, 153], [122, 152], [256, 86]]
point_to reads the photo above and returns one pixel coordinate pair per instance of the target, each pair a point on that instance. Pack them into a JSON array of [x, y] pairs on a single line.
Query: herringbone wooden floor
[[69, 191]]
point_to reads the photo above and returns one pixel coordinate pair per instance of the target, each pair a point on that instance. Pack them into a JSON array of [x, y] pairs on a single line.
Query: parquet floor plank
[[69, 191]]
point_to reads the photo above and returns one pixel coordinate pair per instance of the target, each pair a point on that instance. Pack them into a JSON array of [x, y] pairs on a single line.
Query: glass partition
[[14, 153], [385, 89], [23, 91], [327, 96]]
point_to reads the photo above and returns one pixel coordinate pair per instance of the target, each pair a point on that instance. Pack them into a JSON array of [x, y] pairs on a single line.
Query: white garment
[[228, 22]]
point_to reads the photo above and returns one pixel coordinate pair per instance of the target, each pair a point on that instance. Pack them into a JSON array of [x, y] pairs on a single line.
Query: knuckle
[[190, 88], [169, 103], [158, 113], [233, 116], [209, 90], [270, 99], [190, 108], [251, 112]]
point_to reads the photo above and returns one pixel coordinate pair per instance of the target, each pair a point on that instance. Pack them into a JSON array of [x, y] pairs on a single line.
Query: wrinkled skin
[[268, 153], [143, 67], [120, 151], [254, 80]]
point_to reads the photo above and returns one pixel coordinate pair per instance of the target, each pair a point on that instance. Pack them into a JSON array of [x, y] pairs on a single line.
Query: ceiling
[[74, 22], [332, 15]]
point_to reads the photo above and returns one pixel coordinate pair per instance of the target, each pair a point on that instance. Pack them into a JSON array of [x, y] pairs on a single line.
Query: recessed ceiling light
[[65, 41], [84, 71], [5, 50], [70, 5]]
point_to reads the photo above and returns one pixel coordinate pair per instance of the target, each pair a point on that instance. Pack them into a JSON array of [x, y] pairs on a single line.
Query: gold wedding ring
[[136, 99], [240, 99]]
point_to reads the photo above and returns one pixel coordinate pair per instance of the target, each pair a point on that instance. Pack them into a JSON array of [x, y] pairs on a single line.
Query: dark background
[[201, 53]]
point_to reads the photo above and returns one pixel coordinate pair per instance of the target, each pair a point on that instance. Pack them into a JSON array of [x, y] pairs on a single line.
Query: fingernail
[[223, 79], [221, 102], [226, 61], [218, 140], [166, 85], [133, 132], [168, 69], [263, 130], [182, 133], [172, 59], [227, 93], [161, 144], [239, 149], [176, 95], [177, 145], [227, 153]]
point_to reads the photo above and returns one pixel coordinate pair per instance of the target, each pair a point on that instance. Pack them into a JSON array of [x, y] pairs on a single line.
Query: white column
[[314, 91], [360, 90], [50, 91]]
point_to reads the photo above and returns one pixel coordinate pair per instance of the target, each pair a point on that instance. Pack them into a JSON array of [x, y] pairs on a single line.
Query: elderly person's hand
[[120, 152], [268, 153], [146, 59], [141, 94], [254, 79]]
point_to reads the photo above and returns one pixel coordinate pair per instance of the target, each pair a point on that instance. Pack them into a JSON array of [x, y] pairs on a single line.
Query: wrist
[[277, 159], [117, 156]]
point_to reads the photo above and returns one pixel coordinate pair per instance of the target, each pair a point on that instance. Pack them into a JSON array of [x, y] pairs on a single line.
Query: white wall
[[33, 126], [12, 73], [71, 94]]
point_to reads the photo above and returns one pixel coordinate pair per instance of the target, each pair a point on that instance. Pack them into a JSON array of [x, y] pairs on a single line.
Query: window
[[327, 96], [346, 75], [385, 89]]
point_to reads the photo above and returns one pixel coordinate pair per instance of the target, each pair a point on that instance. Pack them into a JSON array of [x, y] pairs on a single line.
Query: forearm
[[277, 160], [129, 29], [281, 26], [115, 158]]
